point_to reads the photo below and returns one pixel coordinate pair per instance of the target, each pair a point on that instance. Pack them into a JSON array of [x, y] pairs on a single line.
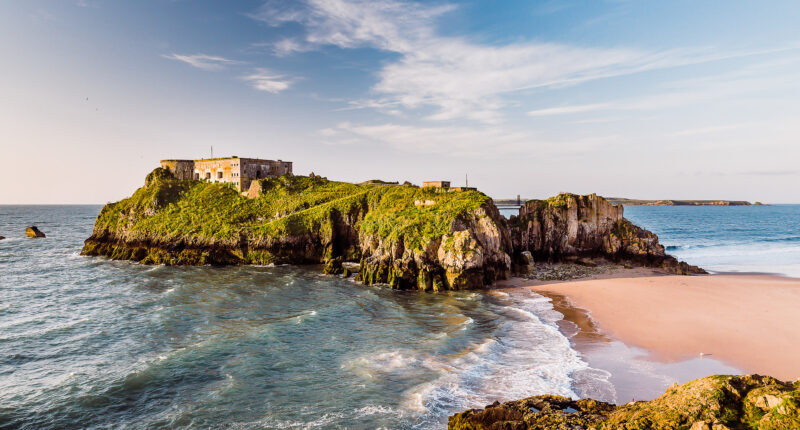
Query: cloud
[[203, 61], [265, 80], [456, 77], [683, 93], [472, 141], [561, 110]]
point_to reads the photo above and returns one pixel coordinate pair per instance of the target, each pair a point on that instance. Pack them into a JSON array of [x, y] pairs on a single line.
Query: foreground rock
[[575, 228], [711, 403], [2, 237], [32, 231], [401, 235]]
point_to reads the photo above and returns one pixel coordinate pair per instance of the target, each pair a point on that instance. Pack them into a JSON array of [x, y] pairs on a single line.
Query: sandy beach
[[748, 321]]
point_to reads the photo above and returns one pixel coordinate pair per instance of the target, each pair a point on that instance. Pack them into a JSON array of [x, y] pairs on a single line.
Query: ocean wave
[[530, 356]]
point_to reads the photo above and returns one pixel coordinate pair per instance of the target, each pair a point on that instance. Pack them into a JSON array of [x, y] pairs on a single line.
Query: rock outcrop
[[475, 252], [711, 403], [32, 231], [570, 227]]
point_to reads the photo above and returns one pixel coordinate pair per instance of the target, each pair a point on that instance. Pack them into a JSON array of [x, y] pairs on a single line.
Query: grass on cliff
[[288, 206]]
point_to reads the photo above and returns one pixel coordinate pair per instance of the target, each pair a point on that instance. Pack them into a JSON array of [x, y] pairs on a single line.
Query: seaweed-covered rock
[[569, 227], [711, 403], [33, 231]]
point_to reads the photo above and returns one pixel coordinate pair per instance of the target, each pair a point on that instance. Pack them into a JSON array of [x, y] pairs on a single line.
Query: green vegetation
[[714, 402], [168, 209], [560, 201]]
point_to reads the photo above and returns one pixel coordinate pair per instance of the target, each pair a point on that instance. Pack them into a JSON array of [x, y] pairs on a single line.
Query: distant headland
[[638, 202]]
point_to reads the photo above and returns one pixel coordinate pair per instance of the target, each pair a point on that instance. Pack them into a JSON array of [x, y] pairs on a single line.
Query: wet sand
[[688, 326]]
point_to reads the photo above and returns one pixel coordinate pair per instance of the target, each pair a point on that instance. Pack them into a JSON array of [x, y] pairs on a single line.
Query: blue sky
[[678, 99]]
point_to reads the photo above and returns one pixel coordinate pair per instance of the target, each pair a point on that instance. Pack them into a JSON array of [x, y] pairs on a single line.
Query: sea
[[86, 342]]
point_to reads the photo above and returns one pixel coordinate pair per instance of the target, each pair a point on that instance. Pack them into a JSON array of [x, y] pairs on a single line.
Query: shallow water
[[88, 342]]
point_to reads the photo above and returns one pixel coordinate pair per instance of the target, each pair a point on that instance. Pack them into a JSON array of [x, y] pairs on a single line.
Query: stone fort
[[230, 170]]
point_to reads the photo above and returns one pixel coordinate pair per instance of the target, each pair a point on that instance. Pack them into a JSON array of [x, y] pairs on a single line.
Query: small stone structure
[[231, 170], [436, 184]]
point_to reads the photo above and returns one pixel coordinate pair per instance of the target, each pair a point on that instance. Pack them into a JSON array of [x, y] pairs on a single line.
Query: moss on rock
[[712, 403]]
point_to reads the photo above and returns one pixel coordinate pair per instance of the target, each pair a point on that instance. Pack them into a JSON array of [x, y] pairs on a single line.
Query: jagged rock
[[333, 267], [33, 231], [570, 227], [712, 403], [2, 237], [527, 258]]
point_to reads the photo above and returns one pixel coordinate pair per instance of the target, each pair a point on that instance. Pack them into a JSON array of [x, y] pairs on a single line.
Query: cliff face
[[569, 226], [473, 253], [451, 241], [711, 403]]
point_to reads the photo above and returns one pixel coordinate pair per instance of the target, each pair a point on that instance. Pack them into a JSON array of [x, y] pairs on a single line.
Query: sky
[[637, 99]]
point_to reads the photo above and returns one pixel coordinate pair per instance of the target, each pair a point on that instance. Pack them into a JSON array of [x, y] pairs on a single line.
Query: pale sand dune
[[749, 321]]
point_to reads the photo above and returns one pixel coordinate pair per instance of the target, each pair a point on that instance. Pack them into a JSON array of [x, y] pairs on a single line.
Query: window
[[208, 175], [219, 175], [196, 176]]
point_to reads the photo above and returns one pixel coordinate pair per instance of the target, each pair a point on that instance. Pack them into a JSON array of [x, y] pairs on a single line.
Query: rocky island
[[408, 237]]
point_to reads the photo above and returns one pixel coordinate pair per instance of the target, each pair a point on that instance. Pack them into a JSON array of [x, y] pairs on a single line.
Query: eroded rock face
[[475, 254], [569, 227], [711, 403], [33, 231]]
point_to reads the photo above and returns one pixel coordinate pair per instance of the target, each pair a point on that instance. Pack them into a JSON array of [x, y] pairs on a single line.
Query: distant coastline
[[637, 202]]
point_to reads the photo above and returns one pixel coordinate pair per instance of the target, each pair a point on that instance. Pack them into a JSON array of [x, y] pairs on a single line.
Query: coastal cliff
[[571, 227], [712, 403], [402, 235]]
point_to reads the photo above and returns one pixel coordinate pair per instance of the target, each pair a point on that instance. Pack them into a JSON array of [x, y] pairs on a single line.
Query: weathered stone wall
[[231, 170], [254, 168], [182, 169]]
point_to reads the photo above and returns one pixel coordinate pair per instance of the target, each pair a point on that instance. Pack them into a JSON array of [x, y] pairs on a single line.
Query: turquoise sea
[[93, 343]]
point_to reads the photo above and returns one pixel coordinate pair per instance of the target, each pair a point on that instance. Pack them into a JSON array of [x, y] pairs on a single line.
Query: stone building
[[436, 184], [231, 170]]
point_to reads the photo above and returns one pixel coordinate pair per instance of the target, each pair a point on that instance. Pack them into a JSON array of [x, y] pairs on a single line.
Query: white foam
[[531, 356]]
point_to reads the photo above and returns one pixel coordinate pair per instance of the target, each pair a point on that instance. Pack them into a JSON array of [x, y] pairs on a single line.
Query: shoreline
[[743, 321], [746, 328]]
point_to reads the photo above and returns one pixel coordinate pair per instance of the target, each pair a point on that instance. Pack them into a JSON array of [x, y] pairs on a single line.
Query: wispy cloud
[[202, 61], [683, 93], [562, 110], [472, 141], [265, 80], [460, 79]]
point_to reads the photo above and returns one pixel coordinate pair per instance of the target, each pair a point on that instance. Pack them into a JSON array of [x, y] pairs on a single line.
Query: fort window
[[208, 175], [219, 175], [197, 176]]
